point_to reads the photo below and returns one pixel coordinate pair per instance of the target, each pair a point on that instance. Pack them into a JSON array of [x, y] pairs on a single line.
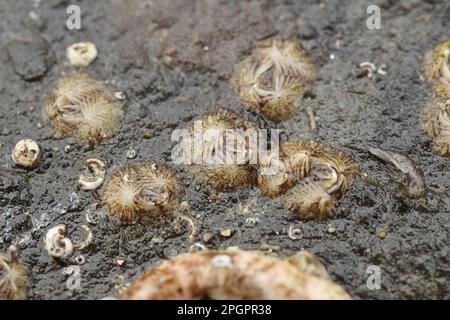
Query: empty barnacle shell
[[143, 191], [83, 108], [57, 244], [26, 153], [274, 78], [81, 54], [14, 282], [248, 274], [436, 123], [94, 174], [436, 62], [221, 150]]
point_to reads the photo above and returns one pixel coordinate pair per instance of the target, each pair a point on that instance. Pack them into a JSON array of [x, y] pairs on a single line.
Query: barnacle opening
[[141, 192], [314, 176]]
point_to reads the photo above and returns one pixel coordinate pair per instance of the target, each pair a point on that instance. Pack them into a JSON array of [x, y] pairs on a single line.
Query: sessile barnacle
[[436, 123], [220, 149], [273, 79], [313, 177], [236, 274], [141, 192], [436, 62], [83, 108], [13, 278]]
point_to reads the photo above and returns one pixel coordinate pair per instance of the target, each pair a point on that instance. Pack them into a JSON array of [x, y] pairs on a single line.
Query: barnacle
[[57, 244], [273, 79], [13, 278], [84, 108], [436, 63], [234, 274], [220, 149], [313, 176], [436, 123], [94, 174], [143, 192]]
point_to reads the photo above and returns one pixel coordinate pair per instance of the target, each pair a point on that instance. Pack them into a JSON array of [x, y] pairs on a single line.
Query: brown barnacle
[[220, 150], [14, 282], [316, 176], [142, 192], [274, 78], [436, 123], [248, 274], [281, 168], [83, 108], [331, 174], [415, 186], [436, 63], [94, 174]]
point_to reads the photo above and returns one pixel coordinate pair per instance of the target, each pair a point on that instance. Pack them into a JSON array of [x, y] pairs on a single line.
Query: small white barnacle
[[57, 244], [26, 153], [274, 78], [81, 54], [436, 123], [93, 175], [83, 108]]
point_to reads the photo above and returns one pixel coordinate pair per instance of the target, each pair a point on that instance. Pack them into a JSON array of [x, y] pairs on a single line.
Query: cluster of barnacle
[[249, 275], [436, 115], [83, 108], [13, 277], [306, 175]]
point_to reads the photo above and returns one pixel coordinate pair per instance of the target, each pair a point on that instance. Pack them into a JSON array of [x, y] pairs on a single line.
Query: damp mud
[[173, 60]]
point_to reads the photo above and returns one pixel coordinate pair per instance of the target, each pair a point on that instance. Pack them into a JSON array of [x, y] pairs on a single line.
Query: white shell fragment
[[26, 153], [81, 54], [56, 244], [222, 261], [94, 174]]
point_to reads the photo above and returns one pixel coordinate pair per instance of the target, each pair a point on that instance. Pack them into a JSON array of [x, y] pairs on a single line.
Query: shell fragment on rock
[[81, 54], [26, 153]]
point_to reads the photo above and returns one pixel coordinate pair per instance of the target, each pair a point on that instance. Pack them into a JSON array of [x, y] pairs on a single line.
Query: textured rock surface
[[352, 113]]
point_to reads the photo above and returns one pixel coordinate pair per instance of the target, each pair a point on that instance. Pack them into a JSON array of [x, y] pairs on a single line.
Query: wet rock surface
[[352, 113]]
